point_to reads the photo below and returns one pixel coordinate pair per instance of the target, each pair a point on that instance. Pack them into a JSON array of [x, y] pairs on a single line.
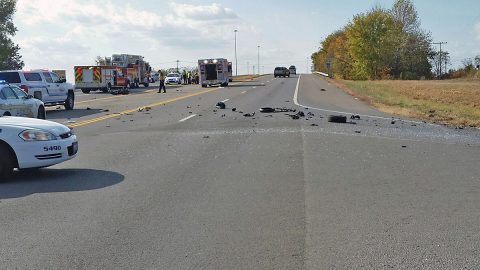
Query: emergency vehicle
[[15, 102], [33, 143], [104, 78], [230, 72], [213, 72], [138, 70]]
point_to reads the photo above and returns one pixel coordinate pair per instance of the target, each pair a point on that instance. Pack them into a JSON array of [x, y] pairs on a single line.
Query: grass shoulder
[[455, 102]]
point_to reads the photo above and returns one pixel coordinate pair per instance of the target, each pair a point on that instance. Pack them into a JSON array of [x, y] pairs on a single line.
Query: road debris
[[323, 89], [249, 114], [106, 110], [358, 131], [314, 125], [206, 137], [267, 110], [88, 108], [337, 119], [234, 109], [355, 117], [221, 105]]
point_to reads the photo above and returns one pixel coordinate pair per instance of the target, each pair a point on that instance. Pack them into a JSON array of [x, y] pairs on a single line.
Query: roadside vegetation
[[10, 57], [454, 102], [384, 57]]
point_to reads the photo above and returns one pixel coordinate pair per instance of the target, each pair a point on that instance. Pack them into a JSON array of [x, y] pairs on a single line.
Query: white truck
[[43, 85], [213, 72]]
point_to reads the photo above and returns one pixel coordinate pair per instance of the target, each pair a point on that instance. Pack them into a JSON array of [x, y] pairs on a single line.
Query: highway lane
[[223, 191]]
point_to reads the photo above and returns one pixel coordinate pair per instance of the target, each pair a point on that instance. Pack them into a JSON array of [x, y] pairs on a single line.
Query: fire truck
[[104, 78], [137, 70], [213, 72]]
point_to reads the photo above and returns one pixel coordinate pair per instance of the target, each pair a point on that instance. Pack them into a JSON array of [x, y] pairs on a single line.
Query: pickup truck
[[281, 72], [43, 85]]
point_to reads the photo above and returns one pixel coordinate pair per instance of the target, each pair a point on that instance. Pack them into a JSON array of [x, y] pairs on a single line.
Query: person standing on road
[[161, 79]]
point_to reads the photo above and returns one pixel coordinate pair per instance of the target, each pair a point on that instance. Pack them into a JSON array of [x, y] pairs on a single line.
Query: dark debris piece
[[249, 114], [337, 119], [267, 110], [221, 105], [355, 117], [234, 109]]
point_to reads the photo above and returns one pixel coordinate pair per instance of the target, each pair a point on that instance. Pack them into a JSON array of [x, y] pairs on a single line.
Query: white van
[[43, 85]]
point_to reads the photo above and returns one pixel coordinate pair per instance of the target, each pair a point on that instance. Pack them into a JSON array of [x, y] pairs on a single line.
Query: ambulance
[[213, 72]]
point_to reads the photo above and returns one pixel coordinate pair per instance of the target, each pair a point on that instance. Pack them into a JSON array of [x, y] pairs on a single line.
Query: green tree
[[10, 57], [372, 41], [414, 45]]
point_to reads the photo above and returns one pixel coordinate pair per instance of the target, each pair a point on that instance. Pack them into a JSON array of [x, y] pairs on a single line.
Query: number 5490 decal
[[52, 148]]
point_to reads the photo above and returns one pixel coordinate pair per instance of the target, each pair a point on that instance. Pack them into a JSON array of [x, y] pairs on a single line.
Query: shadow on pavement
[[26, 183], [76, 113]]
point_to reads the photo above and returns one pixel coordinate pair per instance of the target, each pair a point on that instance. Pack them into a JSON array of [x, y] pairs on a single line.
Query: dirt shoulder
[[453, 102]]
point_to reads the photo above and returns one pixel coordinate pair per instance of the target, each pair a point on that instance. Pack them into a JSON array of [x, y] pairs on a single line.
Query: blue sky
[[73, 32]]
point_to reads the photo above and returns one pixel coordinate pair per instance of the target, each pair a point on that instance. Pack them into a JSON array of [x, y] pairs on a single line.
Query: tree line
[[10, 57], [380, 44]]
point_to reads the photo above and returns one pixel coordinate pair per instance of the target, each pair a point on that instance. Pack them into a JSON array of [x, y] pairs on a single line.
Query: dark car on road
[[281, 72]]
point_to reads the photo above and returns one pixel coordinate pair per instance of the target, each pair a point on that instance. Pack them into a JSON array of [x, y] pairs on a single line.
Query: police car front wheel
[[6, 163], [41, 113]]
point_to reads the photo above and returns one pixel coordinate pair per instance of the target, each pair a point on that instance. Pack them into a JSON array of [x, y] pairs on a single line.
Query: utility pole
[[248, 68], [253, 69], [178, 61], [236, 60], [440, 60], [258, 59]]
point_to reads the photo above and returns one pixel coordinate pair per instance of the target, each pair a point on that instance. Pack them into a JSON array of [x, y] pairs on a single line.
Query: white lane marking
[[243, 92], [225, 100], [295, 100], [186, 118]]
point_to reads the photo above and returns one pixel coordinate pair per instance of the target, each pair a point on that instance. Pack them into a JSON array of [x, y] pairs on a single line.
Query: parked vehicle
[[43, 85], [104, 78], [33, 143], [15, 102], [281, 72], [173, 78], [213, 72], [138, 70], [230, 72]]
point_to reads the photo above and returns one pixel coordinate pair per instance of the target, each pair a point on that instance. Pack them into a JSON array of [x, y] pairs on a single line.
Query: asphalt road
[[167, 181]]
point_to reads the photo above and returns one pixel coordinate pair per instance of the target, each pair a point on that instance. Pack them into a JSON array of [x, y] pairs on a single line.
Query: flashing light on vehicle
[[205, 62], [3, 82], [215, 61], [33, 135]]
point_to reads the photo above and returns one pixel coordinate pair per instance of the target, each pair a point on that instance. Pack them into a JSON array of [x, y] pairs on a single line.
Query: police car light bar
[[3, 82]]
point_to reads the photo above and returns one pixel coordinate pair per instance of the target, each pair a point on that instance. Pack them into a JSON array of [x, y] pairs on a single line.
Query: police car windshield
[[19, 92], [173, 75], [10, 77]]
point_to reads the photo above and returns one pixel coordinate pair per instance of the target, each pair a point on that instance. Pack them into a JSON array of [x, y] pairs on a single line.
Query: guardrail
[[321, 73]]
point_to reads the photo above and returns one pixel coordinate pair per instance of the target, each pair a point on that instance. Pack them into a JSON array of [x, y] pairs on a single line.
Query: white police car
[[15, 102], [33, 143]]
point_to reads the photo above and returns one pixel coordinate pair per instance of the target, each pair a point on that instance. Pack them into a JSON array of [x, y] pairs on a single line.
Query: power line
[[440, 61]]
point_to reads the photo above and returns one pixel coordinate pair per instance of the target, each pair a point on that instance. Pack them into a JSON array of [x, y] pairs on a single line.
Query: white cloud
[[74, 32]]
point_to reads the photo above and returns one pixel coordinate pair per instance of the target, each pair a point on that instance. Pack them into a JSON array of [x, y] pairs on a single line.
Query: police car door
[[53, 88], [12, 104], [59, 84]]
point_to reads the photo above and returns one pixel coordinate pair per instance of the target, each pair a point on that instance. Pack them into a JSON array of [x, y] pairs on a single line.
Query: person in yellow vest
[[161, 79]]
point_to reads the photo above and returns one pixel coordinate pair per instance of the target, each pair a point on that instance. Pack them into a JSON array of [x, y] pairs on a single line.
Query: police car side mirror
[[62, 81], [29, 97]]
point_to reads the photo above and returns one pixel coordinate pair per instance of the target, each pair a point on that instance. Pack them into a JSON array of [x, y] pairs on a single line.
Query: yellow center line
[[97, 99], [105, 117]]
